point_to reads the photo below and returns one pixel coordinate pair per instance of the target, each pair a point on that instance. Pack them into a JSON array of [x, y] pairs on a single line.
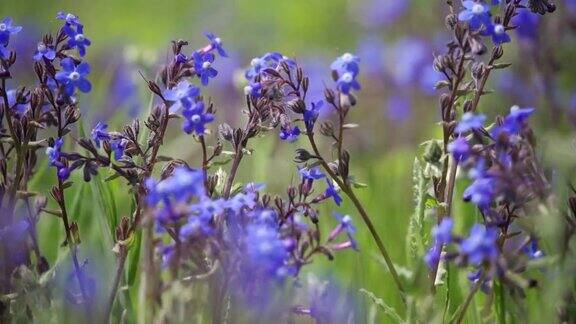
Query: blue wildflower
[[527, 24], [347, 82], [331, 192], [242, 200], [76, 39], [265, 250], [481, 192], [19, 108], [197, 226], [498, 33], [7, 29], [346, 63], [196, 118], [216, 43], [469, 122], [311, 173], [480, 246], [459, 148], [180, 186], [100, 133], [43, 51], [54, 154], [69, 18], [254, 89], [289, 134], [532, 250], [311, 114], [514, 122], [4, 52], [344, 225], [477, 14], [442, 233], [182, 95], [203, 66], [118, 146], [73, 76]]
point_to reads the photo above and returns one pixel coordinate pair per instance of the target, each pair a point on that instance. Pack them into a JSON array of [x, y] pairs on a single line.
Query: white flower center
[[74, 76], [217, 40], [347, 58], [247, 90], [206, 65], [3, 27], [196, 118], [79, 37], [347, 77], [499, 29], [70, 17], [477, 9], [41, 47]]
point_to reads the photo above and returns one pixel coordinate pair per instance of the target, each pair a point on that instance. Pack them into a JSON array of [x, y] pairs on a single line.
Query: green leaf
[[415, 235], [383, 306], [499, 66]]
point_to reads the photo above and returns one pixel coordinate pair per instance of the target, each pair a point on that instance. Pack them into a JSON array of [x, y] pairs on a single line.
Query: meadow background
[[397, 108]]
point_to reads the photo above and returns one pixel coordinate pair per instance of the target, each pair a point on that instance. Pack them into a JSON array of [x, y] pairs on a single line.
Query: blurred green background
[[397, 108]]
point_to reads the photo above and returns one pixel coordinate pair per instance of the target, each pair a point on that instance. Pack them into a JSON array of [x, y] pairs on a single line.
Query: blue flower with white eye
[[76, 38], [203, 66], [69, 18], [347, 82], [195, 119], [73, 76], [216, 43], [254, 89], [477, 14], [7, 29], [346, 63], [44, 52], [498, 33], [470, 121], [289, 134], [183, 95]]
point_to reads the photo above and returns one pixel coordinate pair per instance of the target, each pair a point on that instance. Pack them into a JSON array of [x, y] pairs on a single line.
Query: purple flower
[[216, 43], [100, 133], [196, 119], [69, 18], [43, 51], [469, 122], [432, 257], [459, 148], [311, 173], [331, 192], [289, 134], [254, 89], [527, 24], [76, 38], [346, 63], [344, 225], [181, 185], [182, 95], [203, 66], [477, 14], [118, 146], [19, 108], [269, 60], [498, 33], [514, 122], [242, 200], [54, 154], [197, 226], [7, 29], [4, 52], [347, 82], [480, 246], [481, 192], [311, 114], [73, 76], [532, 250], [442, 233], [265, 250]]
